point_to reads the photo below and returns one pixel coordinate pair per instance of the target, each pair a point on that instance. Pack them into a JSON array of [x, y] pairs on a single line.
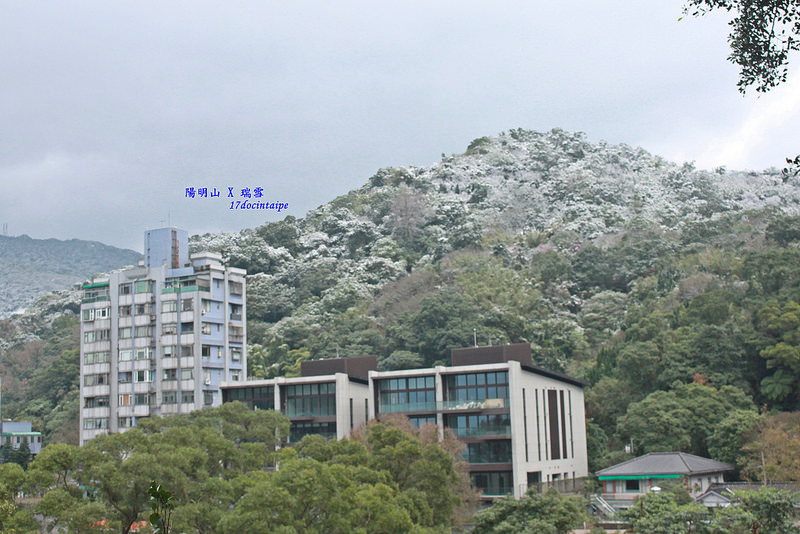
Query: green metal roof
[[99, 284], [637, 477]]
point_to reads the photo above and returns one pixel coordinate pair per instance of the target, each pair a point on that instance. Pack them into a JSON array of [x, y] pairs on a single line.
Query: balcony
[[408, 407], [236, 317], [468, 432], [486, 404]]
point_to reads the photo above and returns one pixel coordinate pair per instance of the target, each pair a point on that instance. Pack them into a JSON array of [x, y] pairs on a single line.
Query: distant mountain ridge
[[31, 267]]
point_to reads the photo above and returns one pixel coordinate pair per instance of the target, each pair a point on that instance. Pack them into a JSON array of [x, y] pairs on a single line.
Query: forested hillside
[[31, 267], [673, 291]]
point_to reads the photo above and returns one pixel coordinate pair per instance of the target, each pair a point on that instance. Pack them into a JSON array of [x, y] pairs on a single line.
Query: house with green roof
[[624, 482]]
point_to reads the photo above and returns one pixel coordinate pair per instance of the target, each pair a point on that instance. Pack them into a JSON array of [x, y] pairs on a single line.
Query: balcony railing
[[471, 404], [503, 430], [408, 407], [443, 406]]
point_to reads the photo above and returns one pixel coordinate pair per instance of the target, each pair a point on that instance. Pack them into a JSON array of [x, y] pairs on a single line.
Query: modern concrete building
[[159, 338], [522, 425], [331, 397]]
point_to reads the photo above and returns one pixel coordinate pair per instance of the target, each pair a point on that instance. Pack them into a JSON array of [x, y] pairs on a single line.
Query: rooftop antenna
[[475, 336], [5, 228]]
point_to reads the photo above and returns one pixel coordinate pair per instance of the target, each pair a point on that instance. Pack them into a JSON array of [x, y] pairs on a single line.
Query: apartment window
[[236, 334], [143, 331], [100, 379], [125, 422], [312, 400], [125, 399], [125, 332], [169, 306], [144, 309], [95, 335], [144, 353], [479, 424], [236, 288], [235, 374], [145, 375], [298, 430], [478, 386], [236, 354], [407, 394], [236, 312], [170, 374], [102, 313], [144, 286], [96, 402], [94, 423], [205, 306], [88, 315], [142, 399], [187, 304], [632, 485], [187, 397], [421, 420], [187, 328], [125, 377], [96, 357], [208, 398], [205, 351], [187, 351], [169, 397], [125, 355], [488, 452], [125, 311], [187, 374], [169, 328], [169, 351], [493, 482], [125, 289]]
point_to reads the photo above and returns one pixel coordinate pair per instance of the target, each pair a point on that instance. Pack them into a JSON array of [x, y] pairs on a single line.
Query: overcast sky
[[110, 110]]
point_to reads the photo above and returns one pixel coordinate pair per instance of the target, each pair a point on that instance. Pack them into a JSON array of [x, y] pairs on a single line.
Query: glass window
[[169, 397], [125, 311], [187, 397], [170, 374], [187, 304], [143, 376], [88, 315], [144, 286], [186, 374], [168, 306], [169, 328], [125, 289], [125, 332], [125, 355], [169, 351], [143, 331]]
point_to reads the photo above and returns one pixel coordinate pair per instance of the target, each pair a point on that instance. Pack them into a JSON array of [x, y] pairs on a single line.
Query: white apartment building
[[159, 338]]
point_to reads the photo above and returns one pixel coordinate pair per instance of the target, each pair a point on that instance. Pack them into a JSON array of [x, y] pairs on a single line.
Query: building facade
[[330, 398], [15, 434], [159, 338], [522, 425]]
